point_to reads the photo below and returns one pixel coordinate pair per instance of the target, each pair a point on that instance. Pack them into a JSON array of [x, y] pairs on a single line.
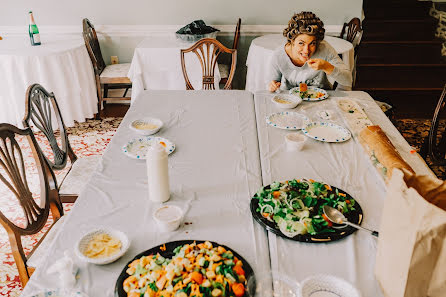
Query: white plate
[[327, 132], [59, 293], [82, 245], [295, 91], [137, 147], [327, 285], [287, 120]]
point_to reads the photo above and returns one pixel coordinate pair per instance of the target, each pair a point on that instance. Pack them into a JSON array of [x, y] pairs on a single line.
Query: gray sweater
[[282, 69]]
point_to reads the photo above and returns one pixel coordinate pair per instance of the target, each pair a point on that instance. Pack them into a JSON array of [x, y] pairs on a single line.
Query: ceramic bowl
[[82, 245], [168, 217], [286, 101], [146, 126], [327, 285]]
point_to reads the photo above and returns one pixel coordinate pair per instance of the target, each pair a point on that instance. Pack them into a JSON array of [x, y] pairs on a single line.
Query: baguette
[[383, 154]]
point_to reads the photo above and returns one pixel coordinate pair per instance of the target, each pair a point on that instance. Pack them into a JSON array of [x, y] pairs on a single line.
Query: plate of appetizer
[[137, 147], [309, 93], [187, 268], [287, 120], [326, 132], [294, 209]]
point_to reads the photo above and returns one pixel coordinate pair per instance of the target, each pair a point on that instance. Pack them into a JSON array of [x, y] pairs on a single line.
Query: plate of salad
[[309, 93], [187, 268], [294, 209]]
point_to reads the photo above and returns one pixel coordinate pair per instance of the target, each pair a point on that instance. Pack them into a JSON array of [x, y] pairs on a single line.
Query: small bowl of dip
[[294, 141], [146, 126], [168, 217], [286, 101]]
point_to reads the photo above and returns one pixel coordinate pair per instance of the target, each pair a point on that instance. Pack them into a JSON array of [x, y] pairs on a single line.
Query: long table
[[225, 152], [213, 172], [343, 165]]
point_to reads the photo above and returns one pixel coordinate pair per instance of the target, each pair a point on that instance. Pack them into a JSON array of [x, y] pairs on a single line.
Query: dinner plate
[[326, 132], [310, 89], [287, 120], [354, 216], [166, 250], [137, 147]]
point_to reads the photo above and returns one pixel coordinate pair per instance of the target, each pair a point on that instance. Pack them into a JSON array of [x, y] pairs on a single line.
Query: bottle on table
[[157, 173], [34, 35]]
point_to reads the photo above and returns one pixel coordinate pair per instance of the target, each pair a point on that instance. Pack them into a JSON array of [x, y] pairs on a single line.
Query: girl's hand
[[274, 85], [319, 64]]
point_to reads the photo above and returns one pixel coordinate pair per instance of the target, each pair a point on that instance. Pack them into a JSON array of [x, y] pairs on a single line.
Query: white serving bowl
[[295, 141], [286, 101], [328, 285], [168, 217], [141, 126], [82, 245]]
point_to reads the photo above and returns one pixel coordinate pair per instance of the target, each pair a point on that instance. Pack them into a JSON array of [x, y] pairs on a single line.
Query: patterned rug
[[91, 138]]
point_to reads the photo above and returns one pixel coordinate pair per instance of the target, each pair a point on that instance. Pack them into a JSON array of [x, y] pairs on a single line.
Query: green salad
[[296, 206]]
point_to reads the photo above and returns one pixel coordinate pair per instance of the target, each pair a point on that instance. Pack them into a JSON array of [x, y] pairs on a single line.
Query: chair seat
[[224, 70], [79, 175], [115, 73], [39, 254]]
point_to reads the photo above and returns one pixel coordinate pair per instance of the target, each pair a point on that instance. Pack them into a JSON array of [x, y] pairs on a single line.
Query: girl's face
[[304, 47]]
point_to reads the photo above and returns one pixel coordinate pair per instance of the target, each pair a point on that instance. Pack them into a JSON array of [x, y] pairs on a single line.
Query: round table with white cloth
[[61, 65], [261, 51], [156, 65]]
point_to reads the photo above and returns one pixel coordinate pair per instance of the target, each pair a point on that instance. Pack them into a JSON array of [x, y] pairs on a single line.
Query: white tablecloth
[[60, 65], [343, 165], [156, 65], [261, 51], [213, 172]]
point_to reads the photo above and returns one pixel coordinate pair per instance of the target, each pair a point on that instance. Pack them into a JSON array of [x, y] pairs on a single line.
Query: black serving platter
[[168, 253], [341, 232]]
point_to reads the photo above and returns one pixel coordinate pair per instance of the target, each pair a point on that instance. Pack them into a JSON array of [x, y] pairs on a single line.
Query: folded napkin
[[66, 269]]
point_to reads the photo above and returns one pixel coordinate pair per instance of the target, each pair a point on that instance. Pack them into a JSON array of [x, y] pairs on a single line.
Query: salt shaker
[[157, 173]]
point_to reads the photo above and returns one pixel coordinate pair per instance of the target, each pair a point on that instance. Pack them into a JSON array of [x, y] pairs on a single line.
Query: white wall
[[150, 12]]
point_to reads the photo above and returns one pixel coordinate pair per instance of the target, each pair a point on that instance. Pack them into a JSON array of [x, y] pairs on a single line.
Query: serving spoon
[[337, 217]]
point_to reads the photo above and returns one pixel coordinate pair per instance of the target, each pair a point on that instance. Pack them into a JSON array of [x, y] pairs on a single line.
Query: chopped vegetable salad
[[199, 270], [296, 206]]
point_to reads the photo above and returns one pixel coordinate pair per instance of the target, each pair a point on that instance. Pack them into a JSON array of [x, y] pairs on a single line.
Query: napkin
[[66, 269]]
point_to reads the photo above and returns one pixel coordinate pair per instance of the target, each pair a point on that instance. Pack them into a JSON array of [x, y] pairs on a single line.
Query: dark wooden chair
[[207, 51], [434, 146], [13, 173], [352, 32], [224, 68], [107, 77], [39, 109]]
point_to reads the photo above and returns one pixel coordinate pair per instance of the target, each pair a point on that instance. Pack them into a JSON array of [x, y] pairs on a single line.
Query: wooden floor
[[115, 110]]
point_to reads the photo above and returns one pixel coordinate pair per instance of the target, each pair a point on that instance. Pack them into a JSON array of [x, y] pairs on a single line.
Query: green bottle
[[34, 35]]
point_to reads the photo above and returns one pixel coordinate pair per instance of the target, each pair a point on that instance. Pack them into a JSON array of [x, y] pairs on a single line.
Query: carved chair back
[[354, 32], [93, 48], [40, 107], [437, 138], [237, 34], [13, 173], [207, 51]]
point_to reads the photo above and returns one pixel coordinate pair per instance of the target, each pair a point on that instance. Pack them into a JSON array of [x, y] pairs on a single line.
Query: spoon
[[337, 217]]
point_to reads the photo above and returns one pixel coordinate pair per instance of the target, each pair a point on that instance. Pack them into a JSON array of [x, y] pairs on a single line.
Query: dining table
[[156, 65], [261, 51], [60, 64], [225, 152]]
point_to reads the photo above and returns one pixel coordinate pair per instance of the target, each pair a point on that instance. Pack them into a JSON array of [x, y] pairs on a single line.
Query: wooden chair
[[13, 173], [107, 77], [434, 145], [224, 68], [207, 51], [353, 33], [39, 109]]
